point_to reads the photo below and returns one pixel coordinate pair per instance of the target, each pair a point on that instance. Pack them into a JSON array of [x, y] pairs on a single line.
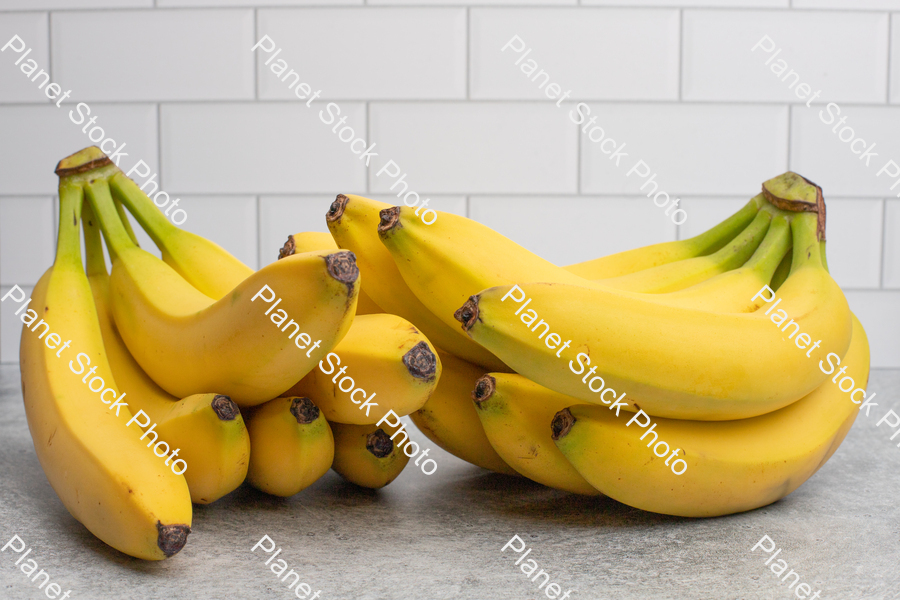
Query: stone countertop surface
[[440, 536]]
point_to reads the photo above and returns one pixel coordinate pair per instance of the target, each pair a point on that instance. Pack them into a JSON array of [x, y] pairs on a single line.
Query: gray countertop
[[440, 536]]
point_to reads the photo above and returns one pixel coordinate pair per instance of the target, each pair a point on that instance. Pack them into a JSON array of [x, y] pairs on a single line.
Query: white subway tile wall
[[674, 84]]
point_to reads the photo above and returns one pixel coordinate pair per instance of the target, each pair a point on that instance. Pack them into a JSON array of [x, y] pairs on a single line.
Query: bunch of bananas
[[174, 369], [440, 322]]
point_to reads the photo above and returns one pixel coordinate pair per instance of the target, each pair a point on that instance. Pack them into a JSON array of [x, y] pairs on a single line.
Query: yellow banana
[[106, 477], [292, 445], [353, 221], [384, 358], [207, 429], [647, 257], [516, 414], [366, 455], [449, 418], [201, 262], [189, 344], [309, 241], [730, 466], [670, 361]]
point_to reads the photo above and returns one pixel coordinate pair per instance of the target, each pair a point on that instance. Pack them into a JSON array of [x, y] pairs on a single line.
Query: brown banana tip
[[342, 266], [225, 408], [421, 361], [289, 248], [484, 389], [467, 314], [379, 443], [336, 210], [304, 410], [390, 219], [84, 160], [562, 424], [171, 538]]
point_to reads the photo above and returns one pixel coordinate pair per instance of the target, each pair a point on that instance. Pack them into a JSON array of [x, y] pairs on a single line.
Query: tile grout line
[[50, 46], [680, 52], [887, 91], [368, 140], [790, 133], [259, 237], [159, 143], [255, 58], [884, 205], [468, 53]]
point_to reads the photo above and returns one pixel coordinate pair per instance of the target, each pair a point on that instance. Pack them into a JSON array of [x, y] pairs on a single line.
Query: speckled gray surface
[[437, 537]]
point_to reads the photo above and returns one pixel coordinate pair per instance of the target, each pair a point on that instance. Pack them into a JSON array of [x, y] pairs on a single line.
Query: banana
[[448, 418], [515, 414], [647, 257], [731, 466], [675, 362], [201, 262], [366, 455], [206, 428], [674, 276], [105, 476], [310, 241], [382, 357], [292, 446], [353, 221], [189, 344]]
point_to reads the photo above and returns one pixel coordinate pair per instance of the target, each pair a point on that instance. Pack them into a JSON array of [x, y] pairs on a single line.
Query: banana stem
[[738, 250], [126, 222], [68, 242], [117, 239], [93, 244], [807, 252], [714, 239], [773, 248], [151, 219]]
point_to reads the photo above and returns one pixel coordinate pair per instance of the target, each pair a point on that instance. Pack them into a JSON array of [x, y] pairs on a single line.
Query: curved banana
[[730, 466], [639, 349], [366, 455], [353, 221], [382, 357], [292, 446], [189, 344], [309, 241], [515, 414], [207, 429], [448, 418], [654, 255], [107, 478], [201, 262]]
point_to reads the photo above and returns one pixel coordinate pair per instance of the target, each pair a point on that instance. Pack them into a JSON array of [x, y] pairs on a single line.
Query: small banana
[[189, 344], [107, 478], [516, 414], [207, 429], [449, 419], [731, 466], [292, 446], [309, 241], [366, 455], [382, 357]]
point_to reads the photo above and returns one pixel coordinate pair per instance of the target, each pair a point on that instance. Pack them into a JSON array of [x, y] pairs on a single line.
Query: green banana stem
[[737, 251], [117, 238], [822, 252], [714, 239], [93, 244], [151, 219], [807, 252], [123, 214], [68, 243], [774, 247]]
